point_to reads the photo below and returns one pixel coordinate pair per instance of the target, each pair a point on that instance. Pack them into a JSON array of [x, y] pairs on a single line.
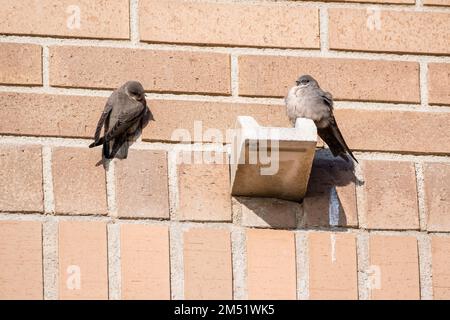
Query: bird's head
[[135, 91], [306, 81]]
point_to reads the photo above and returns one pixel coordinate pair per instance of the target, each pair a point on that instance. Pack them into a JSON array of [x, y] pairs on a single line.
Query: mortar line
[[111, 194], [47, 180], [425, 272], [302, 264], [45, 67], [114, 262], [134, 23], [363, 263], [50, 258], [176, 262], [323, 29], [239, 263], [418, 166], [234, 59], [423, 80]]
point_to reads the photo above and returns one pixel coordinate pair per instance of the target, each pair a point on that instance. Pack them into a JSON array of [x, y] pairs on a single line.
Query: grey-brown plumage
[[125, 115], [308, 100]]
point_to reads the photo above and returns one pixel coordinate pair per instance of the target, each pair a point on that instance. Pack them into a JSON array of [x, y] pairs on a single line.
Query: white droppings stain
[[333, 247], [333, 208]]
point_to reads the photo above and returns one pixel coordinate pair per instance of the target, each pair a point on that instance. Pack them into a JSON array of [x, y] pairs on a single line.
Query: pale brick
[[437, 195], [207, 265], [439, 83], [440, 248], [346, 79], [82, 252], [390, 195], [142, 187], [21, 260], [79, 185], [21, 63], [145, 262]]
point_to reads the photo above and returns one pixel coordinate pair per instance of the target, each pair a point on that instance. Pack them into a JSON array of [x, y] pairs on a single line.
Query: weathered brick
[[346, 79], [49, 115], [157, 70], [439, 83], [394, 266], [437, 195], [390, 195], [207, 264], [171, 115], [83, 270], [333, 270], [21, 178], [145, 261], [21, 260], [79, 186], [271, 266], [331, 195], [440, 248], [83, 18], [204, 188], [445, 3], [389, 31], [142, 189], [21, 63], [258, 25], [269, 212], [381, 130]]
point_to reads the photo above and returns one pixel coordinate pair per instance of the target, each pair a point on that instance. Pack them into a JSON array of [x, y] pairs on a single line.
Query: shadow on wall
[[330, 200]]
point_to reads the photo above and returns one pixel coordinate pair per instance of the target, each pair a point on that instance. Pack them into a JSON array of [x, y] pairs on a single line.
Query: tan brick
[[204, 188], [390, 195], [374, 1], [157, 70], [83, 270], [445, 3], [21, 63], [381, 130], [395, 260], [97, 19], [271, 266], [331, 195], [49, 115], [346, 79], [171, 115], [437, 195], [440, 272], [21, 260], [145, 262], [21, 178], [439, 83], [395, 31], [79, 186], [333, 270], [269, 212], [207, 265], [142, 189], [258, 25]]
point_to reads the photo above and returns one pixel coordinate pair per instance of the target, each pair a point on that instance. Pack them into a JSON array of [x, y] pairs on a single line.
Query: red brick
[[98, 19], [258, 25], [333, 270], [437, 195], [145, 262], [346, 79], [397, 31], [142, 189], [204, 188], [21, 260], [441, 273], [207, 265], [439, 83], [332, 182], [157, 70], [445, 3], [33, 114], [83, 270], [381, 130], [174, 115], [398, 263], [390, 195], [21, 178], [271, 266], [79, 186], [21, 63]]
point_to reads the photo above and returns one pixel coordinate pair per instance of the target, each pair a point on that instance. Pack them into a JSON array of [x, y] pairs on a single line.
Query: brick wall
[[150, 228]]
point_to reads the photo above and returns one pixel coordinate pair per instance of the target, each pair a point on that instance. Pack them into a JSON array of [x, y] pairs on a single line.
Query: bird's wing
[[102, 121], [327, 98], [125, 120]]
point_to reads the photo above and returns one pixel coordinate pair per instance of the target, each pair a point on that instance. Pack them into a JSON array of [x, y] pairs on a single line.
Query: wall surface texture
[[153, 228]]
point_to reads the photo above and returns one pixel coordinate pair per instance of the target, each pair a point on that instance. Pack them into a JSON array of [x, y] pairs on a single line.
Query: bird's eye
[[304, 81]]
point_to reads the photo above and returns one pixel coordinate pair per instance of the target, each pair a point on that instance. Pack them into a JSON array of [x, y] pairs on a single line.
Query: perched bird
[[308, 100], [125, 115]]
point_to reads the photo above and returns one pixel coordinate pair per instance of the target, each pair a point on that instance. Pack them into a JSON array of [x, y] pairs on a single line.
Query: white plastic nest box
[[272, 162]]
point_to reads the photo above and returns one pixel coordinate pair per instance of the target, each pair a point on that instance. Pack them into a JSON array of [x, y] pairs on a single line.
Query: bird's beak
[[297, 82]]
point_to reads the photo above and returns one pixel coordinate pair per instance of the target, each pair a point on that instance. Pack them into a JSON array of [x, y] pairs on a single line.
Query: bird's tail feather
[[333, 138]]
